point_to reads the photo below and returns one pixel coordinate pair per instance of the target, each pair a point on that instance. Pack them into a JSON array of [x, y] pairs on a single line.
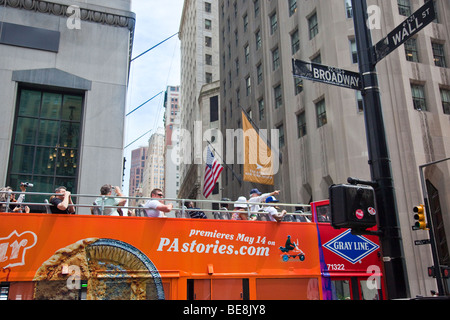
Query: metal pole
[[436, 262], [395, 274]]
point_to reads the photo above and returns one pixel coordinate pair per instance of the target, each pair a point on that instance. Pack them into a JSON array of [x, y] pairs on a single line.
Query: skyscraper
[[321, 128]]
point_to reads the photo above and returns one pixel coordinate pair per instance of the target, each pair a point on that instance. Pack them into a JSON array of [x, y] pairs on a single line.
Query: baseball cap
[[271, 199], [255, 191]]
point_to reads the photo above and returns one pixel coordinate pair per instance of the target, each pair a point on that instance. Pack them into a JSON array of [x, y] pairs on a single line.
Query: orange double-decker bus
[[81, 257]]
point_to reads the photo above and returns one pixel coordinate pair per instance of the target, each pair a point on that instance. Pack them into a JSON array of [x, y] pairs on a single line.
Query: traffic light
[[352, 206], [420, 217]]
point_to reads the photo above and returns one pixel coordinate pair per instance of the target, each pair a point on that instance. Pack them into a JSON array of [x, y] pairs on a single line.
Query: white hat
[[240, 202]]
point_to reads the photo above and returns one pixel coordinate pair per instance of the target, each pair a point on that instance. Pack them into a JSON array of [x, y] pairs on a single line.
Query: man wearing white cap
[[256, 196], [274, 215]]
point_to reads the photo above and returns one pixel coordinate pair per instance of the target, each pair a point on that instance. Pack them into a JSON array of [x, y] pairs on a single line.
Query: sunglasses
[[160, 195]]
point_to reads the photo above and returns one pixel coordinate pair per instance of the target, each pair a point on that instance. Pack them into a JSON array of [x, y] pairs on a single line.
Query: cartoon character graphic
[[292, 251]]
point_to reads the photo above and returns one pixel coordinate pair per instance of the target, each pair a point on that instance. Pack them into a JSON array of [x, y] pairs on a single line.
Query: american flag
[[212, 173]]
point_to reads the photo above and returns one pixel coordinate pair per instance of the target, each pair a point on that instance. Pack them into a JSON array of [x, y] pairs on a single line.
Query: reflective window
[[46, 140]]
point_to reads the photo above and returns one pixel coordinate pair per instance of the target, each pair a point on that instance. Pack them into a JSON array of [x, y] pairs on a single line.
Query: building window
[[259, 73], [360, 101], [208, 77], [208, 24], [439, 55], [261, 109], [321, 113], [354, 51], [281, 141], [348, 9], [295, 42], [247, 53], [298, 83], [445, 97], [301, 124], [418, 96], [208, 42], [248, 86], [208, 59], [256, 7], [258, 39], [273, 23], [46, 140], [208, 7], [412, 54], [245, 23], [292, 7], [313, 26], [276, 59], [404, 7], [278, 96]]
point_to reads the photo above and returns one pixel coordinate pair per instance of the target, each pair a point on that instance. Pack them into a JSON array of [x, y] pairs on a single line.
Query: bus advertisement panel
[[53, 251]]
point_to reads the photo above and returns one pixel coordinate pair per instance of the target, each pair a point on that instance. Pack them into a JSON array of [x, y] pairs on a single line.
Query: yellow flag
[[258, 164]]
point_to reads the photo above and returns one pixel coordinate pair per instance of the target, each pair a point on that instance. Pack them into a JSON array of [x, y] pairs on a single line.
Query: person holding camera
[[13, 207], [62, 202], [108, 201]]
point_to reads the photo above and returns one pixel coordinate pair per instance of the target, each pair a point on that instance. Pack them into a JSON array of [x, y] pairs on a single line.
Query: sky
[[150, 74]]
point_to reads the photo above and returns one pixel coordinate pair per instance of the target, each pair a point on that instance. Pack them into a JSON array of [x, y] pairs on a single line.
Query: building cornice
[[90, 13]]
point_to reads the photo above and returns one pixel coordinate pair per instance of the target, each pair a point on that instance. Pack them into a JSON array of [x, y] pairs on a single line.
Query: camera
[[27, 184]]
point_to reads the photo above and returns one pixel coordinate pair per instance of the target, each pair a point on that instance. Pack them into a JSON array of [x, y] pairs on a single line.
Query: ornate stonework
[[61, 10]]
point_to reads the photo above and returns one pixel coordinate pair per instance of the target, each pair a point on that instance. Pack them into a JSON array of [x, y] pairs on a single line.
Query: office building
[[199, 35], [63, 82], [321, 127]]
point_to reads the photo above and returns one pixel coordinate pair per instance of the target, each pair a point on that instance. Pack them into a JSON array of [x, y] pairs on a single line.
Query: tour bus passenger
[[62, 203], [257, 196], [274, 215], [109, 201], [195, 213], [240, 209], [156, 208], [13, 207]]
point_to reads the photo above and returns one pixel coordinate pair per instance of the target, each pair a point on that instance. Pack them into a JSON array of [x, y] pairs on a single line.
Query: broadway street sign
[[416, 22], [326, 74]]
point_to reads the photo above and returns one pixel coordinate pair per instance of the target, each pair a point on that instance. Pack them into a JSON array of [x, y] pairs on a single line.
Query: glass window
[[439, 55], [445, 97], [313, 26], [278, 97], [273, 23], [411, 51], [321, 112], [341, 289], [46, 140], [418, 95], [301, 124], [292, 7], [404, 7]]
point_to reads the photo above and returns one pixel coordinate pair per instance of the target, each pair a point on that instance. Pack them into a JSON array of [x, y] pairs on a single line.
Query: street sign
[[422, 242], [330, 75], [416, 22]]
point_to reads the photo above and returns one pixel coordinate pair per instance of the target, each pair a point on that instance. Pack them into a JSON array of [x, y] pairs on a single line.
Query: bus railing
[[180, 210]]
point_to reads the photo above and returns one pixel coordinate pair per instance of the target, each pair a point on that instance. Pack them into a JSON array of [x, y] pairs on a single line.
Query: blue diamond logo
[[350, 247]]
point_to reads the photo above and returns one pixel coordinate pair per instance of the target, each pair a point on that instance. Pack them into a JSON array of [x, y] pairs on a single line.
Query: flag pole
[[223, 161]]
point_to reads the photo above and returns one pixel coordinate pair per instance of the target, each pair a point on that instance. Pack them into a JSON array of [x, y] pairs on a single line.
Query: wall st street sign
[[325, 74], [412, 25]]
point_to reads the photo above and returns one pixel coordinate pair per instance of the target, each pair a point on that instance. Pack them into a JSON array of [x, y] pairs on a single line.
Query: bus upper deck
[[104, 257]]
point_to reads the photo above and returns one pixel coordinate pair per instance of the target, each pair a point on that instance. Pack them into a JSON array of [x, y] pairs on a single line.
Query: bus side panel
[[176, 248]]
